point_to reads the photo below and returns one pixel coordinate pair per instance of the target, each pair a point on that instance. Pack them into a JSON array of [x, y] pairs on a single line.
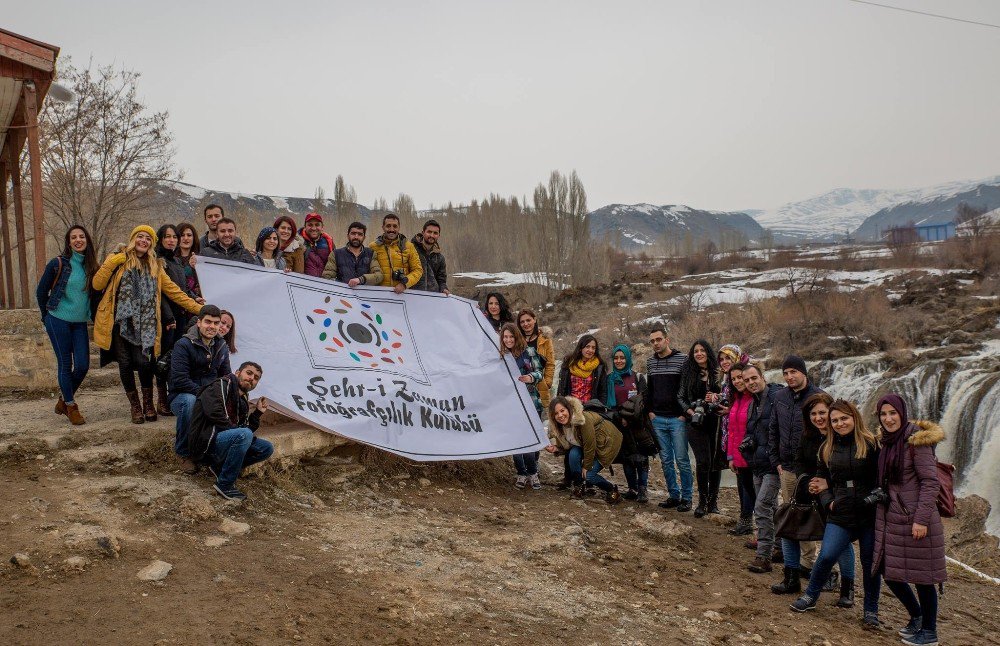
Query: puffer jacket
[[193, 365], [108, 278], [595, 435], [739, 415], [913, 499], [398, 254], [316, 253], [760, 413], [786, 424], [850, 479], [432, 263]]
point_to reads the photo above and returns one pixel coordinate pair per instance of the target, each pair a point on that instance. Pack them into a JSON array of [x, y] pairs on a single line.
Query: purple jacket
[[316, 253], [913, 499]]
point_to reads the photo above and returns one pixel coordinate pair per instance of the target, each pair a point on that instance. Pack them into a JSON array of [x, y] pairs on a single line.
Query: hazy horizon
[[724, 105]]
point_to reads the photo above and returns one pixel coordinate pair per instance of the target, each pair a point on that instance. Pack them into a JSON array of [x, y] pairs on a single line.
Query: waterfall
[[961, 393]]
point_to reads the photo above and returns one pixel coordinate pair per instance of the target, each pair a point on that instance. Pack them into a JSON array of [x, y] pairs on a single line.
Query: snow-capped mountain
[[183, 201], [842, 211], [637, 226]]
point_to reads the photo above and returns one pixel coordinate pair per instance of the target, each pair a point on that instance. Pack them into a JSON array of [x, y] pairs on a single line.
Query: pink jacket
[[737, 429]]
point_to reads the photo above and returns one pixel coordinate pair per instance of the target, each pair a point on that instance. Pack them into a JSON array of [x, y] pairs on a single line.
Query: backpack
[[946, 494], [597, 406]]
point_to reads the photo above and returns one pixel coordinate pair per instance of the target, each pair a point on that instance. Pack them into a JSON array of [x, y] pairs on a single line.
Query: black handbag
[[799, 521], [163, 365]]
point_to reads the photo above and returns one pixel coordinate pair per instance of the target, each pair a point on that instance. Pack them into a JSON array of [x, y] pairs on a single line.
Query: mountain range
[[842, 213]]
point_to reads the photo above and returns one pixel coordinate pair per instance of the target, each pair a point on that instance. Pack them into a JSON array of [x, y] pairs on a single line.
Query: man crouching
[[222, 427]]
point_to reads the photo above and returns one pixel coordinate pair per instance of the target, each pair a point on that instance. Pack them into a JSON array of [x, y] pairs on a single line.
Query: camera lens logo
[[346, 332], [342, 337]]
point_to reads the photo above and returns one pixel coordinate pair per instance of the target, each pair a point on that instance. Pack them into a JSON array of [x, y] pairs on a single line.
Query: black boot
[[790, 584], [846, 599], [643, 496], [714, 480], [702, 507]]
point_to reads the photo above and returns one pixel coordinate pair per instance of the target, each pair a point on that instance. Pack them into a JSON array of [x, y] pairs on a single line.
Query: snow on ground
[[743, 285], [193, 191], [506, 279], [281, 203]]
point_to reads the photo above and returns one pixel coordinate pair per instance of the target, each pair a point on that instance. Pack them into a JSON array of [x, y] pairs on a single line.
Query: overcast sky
[[724, 104]]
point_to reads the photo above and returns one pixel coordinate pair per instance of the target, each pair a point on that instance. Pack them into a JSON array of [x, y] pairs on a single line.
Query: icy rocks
[[155, 571]]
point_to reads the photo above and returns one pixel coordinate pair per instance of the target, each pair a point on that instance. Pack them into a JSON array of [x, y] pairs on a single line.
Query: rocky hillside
[[937, 209], [635, 227]]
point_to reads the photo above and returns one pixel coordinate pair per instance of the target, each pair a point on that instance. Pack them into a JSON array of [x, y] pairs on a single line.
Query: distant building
[[914, 233]]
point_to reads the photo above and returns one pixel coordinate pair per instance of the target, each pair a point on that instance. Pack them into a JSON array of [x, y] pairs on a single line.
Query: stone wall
[[26, 359]]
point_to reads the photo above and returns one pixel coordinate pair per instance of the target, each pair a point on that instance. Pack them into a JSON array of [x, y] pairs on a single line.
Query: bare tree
[[104, 154], [319, 200]]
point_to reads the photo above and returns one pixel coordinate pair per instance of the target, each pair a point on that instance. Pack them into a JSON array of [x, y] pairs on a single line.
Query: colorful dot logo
[[366, 342], [348, 332]]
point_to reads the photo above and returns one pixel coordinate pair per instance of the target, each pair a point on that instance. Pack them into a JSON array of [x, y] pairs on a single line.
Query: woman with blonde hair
[[127, 325], [848, 463]]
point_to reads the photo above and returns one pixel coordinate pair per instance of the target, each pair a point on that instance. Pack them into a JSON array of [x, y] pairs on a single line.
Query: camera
[[398, 276], [702, 408], [748, 446], [878, 496]]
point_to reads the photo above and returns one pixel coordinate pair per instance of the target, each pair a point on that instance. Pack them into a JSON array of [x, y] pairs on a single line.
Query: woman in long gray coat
[[909, 536]]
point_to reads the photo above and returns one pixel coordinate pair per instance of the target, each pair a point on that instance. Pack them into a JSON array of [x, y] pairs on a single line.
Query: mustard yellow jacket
[[107, 280], [389, 257]]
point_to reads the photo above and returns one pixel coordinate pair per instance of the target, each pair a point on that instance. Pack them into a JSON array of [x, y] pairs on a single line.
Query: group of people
[[877, 487], [149, 317]]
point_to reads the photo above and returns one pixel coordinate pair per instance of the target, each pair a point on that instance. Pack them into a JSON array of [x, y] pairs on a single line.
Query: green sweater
[[74, 306]]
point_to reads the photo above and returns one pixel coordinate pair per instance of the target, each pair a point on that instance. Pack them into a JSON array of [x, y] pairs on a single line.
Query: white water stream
[[962, 394]]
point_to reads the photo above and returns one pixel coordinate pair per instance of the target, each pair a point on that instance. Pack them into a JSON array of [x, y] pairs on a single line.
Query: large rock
[[233, 528], [655, 526], [155, 571], [197, 507]]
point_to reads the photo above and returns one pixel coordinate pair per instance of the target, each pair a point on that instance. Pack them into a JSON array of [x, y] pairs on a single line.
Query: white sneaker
[[536, 484], [521, 481]]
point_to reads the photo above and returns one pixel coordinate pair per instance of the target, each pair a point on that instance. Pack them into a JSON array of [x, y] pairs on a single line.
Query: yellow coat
[[389, 257], [107, 280]]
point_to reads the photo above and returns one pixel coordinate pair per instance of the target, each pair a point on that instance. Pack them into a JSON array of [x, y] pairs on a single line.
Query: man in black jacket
[[785, 430], [757, 454], [435, 278], [222, 428], [198, 358], [228, 245]]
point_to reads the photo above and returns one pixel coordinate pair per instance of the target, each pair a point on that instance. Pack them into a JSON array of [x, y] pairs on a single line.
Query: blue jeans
[[835, 540], [526, 464], [72, 347], [636, 475], [793, 554], [236, 449], [672, 436], [181, 407], [594, 476]]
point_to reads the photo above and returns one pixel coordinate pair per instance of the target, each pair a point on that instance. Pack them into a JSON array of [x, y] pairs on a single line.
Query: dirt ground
[[364, 548]]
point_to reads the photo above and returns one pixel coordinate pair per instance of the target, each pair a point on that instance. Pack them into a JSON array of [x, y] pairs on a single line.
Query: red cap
[[313, 216]]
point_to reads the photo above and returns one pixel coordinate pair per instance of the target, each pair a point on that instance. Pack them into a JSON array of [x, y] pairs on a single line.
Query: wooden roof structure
[[27, 69]]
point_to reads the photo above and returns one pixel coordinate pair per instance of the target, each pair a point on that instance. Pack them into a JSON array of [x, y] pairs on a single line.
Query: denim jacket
[[47, 294]]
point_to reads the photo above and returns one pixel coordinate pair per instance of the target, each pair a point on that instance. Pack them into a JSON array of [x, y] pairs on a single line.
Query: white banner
[[417, 374]]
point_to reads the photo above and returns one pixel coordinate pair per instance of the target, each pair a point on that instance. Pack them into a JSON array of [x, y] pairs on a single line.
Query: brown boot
[[60, 406], [147, 404], [73, 413], [187, 465], [133, 400], [161, 401]]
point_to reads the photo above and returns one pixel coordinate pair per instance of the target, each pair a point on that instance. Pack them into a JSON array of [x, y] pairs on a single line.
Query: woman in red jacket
[[909, 536]]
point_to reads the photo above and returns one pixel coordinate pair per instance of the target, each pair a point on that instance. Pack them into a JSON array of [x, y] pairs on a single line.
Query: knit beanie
[[794, 362], [143, 228]]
